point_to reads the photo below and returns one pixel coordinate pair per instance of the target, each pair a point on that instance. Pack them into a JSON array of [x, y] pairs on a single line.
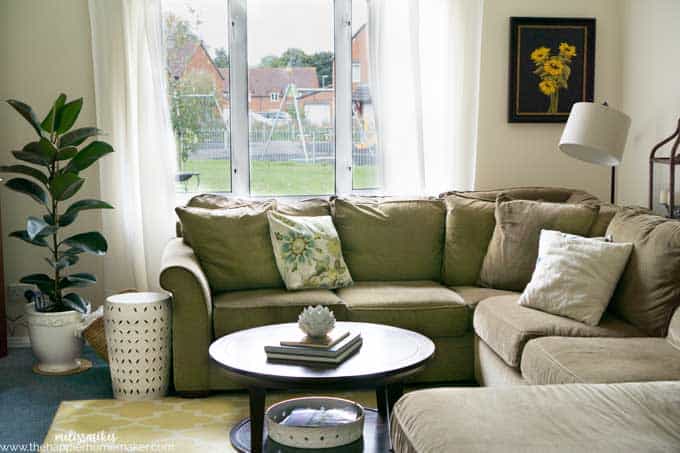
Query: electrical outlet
[[15, 292]]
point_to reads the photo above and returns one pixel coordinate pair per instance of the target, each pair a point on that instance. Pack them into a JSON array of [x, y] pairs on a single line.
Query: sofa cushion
[[233, 246], [554, 360], [388, 239], [505, 326], [472, 295], [469, 227], [240, 310], [615, 418], [649, 289], [423, 306], [311, 207], [550, 194], [511, 256]]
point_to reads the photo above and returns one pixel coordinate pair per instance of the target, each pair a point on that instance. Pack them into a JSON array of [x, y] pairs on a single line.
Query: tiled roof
[[263, 81], [179, 57]]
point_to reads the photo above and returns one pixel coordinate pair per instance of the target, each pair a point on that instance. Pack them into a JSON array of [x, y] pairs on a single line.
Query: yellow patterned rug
[[165, 425]]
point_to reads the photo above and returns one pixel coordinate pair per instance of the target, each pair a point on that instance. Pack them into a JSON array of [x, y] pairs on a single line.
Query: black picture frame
[[545, 94]]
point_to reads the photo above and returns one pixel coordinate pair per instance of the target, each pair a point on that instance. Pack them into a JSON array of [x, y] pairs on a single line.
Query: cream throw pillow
[[308, 252], [575, 277]]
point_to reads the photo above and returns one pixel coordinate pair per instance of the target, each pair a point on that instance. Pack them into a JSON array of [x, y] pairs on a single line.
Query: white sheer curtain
[[424, 72], [132, 110]]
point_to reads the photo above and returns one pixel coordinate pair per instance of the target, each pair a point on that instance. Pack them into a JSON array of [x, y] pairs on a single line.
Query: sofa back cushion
[[232, 245], [512, 253], [550, 194], [649, 289], [469, 226], [390, 239]]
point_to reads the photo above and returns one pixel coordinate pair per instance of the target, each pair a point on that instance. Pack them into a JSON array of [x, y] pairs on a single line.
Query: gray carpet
[[28, 401]]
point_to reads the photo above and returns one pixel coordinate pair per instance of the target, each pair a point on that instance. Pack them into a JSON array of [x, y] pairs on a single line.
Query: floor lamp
[[596, 133]]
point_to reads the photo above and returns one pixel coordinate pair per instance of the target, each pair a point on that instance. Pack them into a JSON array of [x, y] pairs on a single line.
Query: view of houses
[[291, 100]]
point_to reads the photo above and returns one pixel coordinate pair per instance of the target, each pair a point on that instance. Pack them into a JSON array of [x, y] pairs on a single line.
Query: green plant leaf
[[78, 280], [65, 185], [35, 154], [88, 156], [47, 149], [29, 188], [76, 302], [23, 235], [67, 152], [63, 262], [43, 281], [25, 170], [81, 205], [51, 121], [69, 115], [27, 112], [78, 136], [92, 242], [36, 227]]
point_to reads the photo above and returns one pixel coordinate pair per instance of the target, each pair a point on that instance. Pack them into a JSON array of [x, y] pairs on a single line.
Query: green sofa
[[415, 264]]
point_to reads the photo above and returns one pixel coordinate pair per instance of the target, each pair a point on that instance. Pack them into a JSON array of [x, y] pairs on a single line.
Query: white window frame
[[238, 85], [273, 96], [356, 65]]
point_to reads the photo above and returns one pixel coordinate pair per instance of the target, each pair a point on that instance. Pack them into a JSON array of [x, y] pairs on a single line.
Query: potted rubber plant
[[50, 174]]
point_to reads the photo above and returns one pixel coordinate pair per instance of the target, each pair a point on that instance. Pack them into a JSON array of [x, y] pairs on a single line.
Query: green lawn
[[279, 178]]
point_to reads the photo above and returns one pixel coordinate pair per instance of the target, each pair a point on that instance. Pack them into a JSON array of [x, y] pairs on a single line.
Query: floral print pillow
[[308, 252]]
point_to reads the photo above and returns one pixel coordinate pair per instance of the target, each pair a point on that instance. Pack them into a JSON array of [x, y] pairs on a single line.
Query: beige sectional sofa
[[415, 264]]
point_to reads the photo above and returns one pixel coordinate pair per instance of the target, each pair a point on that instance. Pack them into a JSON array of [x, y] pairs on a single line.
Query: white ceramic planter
[[55, 339]]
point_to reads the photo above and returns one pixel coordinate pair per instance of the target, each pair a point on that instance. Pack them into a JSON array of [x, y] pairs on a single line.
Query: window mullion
[[238, 93], [343, 95]]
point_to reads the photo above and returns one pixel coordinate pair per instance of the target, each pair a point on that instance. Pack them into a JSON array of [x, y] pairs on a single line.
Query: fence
[[284, 144]]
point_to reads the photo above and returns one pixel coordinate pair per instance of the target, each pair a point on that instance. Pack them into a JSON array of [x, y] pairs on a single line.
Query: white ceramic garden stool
[[137, 329]]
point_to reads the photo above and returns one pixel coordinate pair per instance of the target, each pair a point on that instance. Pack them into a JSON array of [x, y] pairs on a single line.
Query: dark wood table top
[[387, 354]]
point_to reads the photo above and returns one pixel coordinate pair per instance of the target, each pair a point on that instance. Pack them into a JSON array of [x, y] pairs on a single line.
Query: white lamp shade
[[595, 133]]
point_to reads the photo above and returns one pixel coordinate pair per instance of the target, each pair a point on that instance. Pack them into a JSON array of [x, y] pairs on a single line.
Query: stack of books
[[333, 349]]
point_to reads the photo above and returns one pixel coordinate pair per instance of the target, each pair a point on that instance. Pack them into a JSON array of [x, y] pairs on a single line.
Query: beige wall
[[45, 50], [527, 154], [651, 87]]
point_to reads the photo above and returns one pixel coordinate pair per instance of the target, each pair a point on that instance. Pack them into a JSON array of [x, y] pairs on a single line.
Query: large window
[[278, 108]]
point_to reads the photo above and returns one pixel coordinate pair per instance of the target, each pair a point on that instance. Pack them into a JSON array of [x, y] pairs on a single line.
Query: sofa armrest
[[192, 333]]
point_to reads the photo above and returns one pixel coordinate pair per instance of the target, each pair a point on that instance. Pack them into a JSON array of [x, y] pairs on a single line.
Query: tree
[[193, 107], [322, 61], [178, 32], [221, 58]]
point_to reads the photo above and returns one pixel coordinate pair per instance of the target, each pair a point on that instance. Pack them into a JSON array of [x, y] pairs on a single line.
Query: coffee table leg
[[381, 400], [394, 392], [257, 398]]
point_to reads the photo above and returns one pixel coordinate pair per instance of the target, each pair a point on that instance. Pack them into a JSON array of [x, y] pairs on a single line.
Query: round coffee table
[[387, 356]]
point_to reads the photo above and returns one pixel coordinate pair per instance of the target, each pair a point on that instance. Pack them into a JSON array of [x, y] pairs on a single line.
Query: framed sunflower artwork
[[552, 66]]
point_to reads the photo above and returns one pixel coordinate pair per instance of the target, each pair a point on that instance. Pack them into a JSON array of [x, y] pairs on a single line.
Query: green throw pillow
[[469, 227], [308, 252], [232, 246], [513, 250]]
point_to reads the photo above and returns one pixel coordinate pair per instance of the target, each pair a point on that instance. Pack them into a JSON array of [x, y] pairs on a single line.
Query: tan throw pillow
[[232, 246], [511, 257], [469, 226], [308, 252], [649, 289], [575, 277]]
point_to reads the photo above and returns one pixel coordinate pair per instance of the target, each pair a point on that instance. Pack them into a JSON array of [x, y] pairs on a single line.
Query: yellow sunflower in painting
[[567, 51], [547, 87], [553, 66], [540, 54], [553, 71]]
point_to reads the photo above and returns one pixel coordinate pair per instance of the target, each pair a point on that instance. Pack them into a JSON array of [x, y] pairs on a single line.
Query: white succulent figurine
[[316, 321]]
